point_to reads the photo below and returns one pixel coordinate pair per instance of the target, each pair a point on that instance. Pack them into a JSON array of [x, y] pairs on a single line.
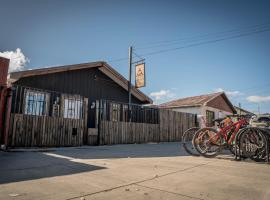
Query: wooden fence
[[47, 131], [170, 129], [173, 124], [127, 132], [44, 131]]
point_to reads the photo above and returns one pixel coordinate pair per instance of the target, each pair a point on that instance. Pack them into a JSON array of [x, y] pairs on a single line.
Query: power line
[[244, 34], [257, 87], [118, 60], [205, 42], [188, 39], [138, 56]]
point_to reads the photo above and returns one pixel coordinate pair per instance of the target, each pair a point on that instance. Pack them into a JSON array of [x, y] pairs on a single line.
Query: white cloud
[[17, 59], [258, 99], [230, 93], [162, 95]]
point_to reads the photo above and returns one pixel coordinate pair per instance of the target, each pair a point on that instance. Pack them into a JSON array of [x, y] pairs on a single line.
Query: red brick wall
[[4, 63]]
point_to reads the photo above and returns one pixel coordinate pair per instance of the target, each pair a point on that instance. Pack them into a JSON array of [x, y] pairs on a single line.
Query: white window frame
[[72, 107], [37, 108], [115, 112]]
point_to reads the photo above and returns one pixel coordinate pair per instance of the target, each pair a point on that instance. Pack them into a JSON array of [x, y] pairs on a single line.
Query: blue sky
[[60, 32]]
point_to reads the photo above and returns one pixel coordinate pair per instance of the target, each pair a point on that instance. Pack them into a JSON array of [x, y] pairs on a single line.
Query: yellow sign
[[140, 75]]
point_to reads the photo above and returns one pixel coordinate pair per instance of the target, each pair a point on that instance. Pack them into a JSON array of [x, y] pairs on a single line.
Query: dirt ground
[[139, 171]]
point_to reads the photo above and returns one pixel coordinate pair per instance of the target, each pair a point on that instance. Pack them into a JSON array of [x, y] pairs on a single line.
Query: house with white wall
[[212, 106]]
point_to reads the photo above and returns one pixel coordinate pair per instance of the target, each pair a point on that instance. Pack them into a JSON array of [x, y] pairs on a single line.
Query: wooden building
[[211, 106], [241, 111], [64, 100]]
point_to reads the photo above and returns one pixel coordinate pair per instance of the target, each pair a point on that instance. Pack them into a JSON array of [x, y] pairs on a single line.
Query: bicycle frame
[[225, 130]]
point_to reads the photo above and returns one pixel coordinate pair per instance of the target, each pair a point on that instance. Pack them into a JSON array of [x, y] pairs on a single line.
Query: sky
[[190, 47]]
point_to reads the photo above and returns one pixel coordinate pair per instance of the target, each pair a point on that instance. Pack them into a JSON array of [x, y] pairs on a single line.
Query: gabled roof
[[102, 66], [190, 101], [243, 110], [194, 101]]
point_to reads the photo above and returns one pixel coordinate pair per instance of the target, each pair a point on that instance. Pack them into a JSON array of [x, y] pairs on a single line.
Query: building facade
[[210, 106], [94, 81]]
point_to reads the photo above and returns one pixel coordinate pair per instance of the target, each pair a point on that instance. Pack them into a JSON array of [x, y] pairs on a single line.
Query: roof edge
[[225, 98], [111, 72], [183, 106]]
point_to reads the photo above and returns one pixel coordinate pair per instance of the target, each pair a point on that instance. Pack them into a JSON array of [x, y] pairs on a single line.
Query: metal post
[[7, 116], [129, 82], [100, 109], [240, 109], [130, 75]]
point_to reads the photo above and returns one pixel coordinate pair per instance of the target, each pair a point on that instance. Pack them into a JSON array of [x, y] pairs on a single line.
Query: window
[[35, 103], [115, 112], [73, 108], [210, 116]]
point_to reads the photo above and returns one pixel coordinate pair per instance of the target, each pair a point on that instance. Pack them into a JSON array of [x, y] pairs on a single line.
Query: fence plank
[[170, 128], [44, 131]]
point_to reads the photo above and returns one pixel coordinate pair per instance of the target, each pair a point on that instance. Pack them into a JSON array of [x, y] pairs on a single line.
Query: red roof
[[190, 101]]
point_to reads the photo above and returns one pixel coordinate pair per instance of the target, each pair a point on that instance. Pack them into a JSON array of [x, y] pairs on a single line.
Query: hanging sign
[[140, 75]]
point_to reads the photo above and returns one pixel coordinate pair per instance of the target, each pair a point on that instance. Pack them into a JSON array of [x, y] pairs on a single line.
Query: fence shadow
[[125, 151], [23, 166]]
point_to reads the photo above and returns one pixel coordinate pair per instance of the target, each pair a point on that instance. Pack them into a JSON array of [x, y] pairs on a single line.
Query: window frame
[[209, 114], [115, 112], [72, 98], [46, 101]]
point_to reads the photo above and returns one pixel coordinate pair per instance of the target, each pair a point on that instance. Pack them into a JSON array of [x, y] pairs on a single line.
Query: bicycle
[[188, 136], [254, 143], [210, 141]]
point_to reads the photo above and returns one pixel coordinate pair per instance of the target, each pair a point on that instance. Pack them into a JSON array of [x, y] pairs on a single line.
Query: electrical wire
[[206, 42], [255, 30], [199, 37]]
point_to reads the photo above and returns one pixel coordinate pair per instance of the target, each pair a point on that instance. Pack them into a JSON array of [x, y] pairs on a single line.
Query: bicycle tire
[[187, 141], [198, 148], [258, 141]]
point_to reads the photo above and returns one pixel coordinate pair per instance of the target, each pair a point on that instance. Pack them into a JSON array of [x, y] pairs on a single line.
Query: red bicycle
[[210, 141]]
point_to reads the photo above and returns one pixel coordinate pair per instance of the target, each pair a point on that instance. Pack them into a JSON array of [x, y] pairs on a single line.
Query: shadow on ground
[[23, 166], [125, 151]]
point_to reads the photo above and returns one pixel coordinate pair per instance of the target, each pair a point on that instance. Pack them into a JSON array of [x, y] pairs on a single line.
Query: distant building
[[212, 106], [241, 111]]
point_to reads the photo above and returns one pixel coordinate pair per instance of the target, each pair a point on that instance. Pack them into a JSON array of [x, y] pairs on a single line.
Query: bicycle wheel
[[187, 141], [207, 142], [253, 144]]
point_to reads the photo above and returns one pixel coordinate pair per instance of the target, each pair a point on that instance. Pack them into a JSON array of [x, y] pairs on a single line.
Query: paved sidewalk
[[145, 171]]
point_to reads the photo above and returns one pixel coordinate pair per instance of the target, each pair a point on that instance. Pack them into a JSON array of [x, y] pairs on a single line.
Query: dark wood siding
[[220, 104], [90, 83]]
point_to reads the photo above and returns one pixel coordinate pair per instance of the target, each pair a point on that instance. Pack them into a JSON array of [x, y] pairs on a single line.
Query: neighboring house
[[95, 81], [212, 106], [241, 111]]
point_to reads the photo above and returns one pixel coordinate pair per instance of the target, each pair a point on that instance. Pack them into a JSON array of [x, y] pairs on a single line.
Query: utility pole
[[239, 105], [130, 75], [130, 63]]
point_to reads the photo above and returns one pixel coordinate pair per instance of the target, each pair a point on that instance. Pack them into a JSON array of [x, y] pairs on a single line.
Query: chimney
[[4, 63]]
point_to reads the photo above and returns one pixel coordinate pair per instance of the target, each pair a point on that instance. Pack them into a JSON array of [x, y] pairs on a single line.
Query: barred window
[[35, 103], [73, 108]]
